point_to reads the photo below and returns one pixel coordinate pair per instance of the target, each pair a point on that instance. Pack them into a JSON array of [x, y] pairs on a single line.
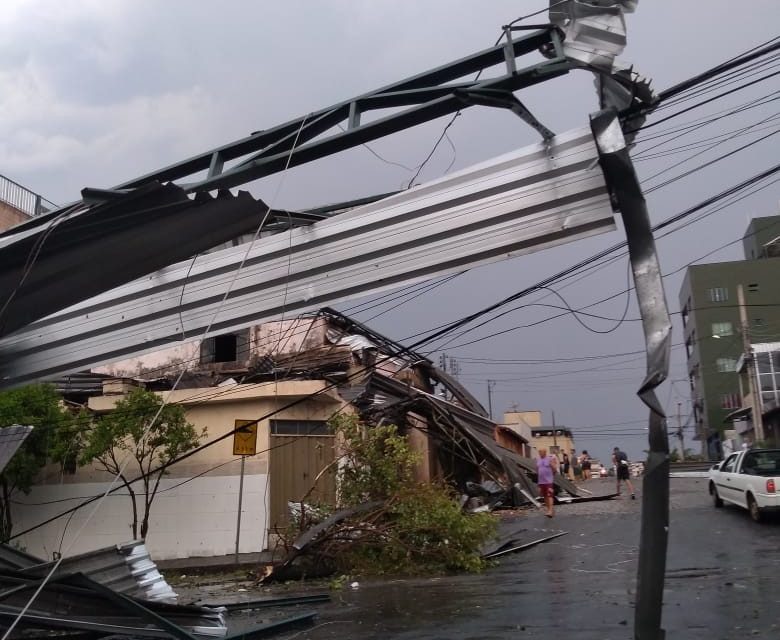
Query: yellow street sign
[[245, 438]]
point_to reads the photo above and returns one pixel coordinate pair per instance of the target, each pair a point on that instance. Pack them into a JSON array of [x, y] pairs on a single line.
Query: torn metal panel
[[514, 548], [283, 601], [533, 198], [125, 568], [16, 559], [76, 602], [451, 384], [594, 35], [594, 32], [275, 627], [623, 182], [11, 438], [57, 260]]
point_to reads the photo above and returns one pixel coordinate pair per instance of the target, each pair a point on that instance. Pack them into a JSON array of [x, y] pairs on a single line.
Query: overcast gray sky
[[96, 92]]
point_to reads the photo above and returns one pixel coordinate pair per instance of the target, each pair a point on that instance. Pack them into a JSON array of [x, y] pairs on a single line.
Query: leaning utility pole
[[750, 363]]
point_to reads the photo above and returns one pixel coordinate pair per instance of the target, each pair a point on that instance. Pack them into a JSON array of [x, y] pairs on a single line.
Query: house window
[[726, 365], [718, 294], [300, 428], [229, 347], [730, 401], [722, 329]]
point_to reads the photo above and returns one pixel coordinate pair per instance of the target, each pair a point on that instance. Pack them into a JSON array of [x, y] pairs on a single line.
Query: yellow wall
[[216, 409]]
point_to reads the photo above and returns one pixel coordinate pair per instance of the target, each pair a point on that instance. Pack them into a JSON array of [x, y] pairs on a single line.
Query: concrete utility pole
[[680, 433], [490, 385], [750, 362]]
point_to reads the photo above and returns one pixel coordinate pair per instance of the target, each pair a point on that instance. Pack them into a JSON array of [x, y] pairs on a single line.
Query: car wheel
[[716, 499], [755, 512]]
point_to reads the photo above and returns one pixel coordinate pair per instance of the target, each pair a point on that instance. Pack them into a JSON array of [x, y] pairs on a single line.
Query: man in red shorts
[[546, 468]]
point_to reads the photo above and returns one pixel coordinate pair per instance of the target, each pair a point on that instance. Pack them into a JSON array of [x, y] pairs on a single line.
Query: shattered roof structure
[[470, 434], [109, 239]]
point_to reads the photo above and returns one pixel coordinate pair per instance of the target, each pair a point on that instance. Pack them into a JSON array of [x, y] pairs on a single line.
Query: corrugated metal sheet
[[81, 253], [126, 568], [11, 438], [534, 198]]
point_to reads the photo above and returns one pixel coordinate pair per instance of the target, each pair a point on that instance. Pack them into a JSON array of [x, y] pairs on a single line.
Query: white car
[[749, 479]]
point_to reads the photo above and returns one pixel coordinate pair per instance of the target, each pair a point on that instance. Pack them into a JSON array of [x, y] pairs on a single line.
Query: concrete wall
[[286, 336], [193, 519], [197, 517], [529, 418], [10, 216]]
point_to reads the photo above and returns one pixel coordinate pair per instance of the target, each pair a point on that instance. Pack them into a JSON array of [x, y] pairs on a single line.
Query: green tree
[[420, 529], [41, 407], [132, 430]]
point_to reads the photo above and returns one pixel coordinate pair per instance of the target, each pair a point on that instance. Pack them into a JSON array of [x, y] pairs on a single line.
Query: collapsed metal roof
[[111, 238], [536, 197]]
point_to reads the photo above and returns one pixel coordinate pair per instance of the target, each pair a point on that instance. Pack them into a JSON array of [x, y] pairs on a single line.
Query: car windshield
[[762, 463]]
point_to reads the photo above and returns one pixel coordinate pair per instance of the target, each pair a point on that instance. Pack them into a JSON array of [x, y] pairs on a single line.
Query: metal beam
[[427, 95], [537, 197]]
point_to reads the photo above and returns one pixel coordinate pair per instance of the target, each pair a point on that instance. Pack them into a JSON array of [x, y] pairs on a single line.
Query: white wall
[[195, 519]]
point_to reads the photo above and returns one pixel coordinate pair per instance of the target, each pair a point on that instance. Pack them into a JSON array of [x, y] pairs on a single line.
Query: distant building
[[762, 364], [712, 328], [557, 440], [18, 204]]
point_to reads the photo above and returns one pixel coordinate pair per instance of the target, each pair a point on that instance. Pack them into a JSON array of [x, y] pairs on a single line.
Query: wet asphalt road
[[723, 582]]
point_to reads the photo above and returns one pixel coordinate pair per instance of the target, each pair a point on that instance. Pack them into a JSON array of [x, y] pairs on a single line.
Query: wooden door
[[300, 450]]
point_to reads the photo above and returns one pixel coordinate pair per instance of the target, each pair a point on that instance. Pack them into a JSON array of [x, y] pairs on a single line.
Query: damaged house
[[289, 378]]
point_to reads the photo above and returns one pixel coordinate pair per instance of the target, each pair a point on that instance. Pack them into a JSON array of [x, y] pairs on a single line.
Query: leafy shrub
[[420, 529]]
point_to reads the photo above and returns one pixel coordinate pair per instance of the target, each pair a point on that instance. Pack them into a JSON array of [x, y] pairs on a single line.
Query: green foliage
[[420, 530], [425, 532], [126, 431], [38, 406], [377, 461]]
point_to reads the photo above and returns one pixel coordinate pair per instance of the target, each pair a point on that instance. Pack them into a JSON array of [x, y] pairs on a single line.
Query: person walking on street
[[546, 467], [585, 463], [566, 466], [622, 472]]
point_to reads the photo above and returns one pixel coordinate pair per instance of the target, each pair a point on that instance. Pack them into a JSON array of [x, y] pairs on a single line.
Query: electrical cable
[[645, 155], [444, 329], [447, 328], [704, 102], [706, 164]]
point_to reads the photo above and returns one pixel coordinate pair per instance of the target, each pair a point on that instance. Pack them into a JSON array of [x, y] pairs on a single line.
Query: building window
[[753, 288], [718, 294], [730, 401], [229, 347], [685, 316], [722, 329], [300, 428], [726, 365]]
